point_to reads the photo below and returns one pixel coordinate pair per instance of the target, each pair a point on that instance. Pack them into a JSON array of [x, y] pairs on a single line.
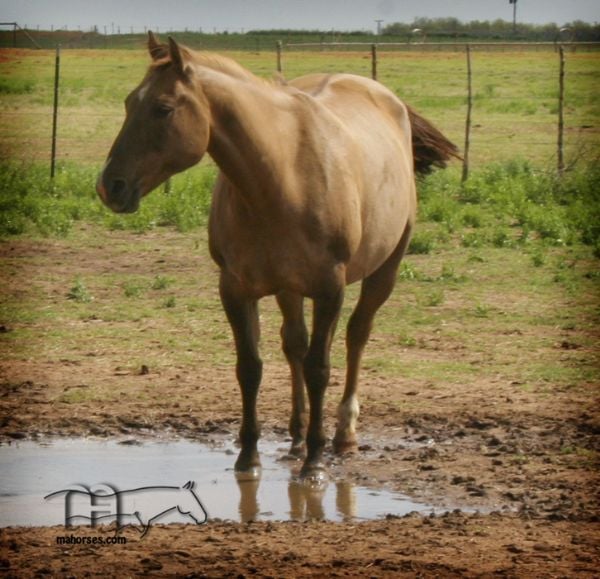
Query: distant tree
[[496, 29]]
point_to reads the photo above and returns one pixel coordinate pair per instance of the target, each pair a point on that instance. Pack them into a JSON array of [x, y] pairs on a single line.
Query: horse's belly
[[382, 228]]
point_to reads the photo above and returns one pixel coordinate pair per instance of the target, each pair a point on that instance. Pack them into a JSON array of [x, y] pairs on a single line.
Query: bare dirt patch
[[144, 359]]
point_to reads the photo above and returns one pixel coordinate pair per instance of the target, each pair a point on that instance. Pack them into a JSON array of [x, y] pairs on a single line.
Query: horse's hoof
[[341, 446], [247, 462], [252, 474], [313, 474]]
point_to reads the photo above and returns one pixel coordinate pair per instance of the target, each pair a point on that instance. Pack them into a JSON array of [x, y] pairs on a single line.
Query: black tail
[[430, 148]]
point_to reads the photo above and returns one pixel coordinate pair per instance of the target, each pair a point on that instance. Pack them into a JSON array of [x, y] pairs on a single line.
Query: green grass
[[499, 271], [30, 202], [511, 117], [503, 205]]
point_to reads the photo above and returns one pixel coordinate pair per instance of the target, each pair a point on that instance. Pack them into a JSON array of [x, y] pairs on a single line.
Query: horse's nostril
[[118, 187]]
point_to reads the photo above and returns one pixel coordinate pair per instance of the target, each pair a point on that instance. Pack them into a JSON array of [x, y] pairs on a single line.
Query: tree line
[[494, 30]]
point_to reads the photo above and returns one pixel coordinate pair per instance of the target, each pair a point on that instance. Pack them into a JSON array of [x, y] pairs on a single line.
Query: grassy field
[[480, 381], [513, 210], [514, 115]]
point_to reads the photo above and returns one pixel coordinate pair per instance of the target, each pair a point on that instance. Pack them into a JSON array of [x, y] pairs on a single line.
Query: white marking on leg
[[347, 413]]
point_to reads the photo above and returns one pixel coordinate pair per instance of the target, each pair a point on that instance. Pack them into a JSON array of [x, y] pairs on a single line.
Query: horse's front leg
[[295, 345], [242, 313], [316, 372]]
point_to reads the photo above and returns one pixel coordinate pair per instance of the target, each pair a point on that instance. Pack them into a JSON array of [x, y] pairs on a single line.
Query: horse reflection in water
[[306, 500], [316, 191]]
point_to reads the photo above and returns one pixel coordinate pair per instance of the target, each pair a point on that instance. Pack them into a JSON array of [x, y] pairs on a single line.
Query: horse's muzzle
[[117, 194]]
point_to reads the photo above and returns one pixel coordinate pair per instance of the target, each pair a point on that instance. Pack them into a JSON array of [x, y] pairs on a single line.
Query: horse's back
[[357, 100], [378, 121]]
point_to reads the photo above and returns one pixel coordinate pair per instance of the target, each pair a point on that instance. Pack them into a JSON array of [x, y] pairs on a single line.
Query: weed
[[407, 341], [16, 86], [407, 272], [473, 217], [481, 311], [170, 302], [538, 259], [422, 243], [132, 289], [79, 292], [449, 275], [431, 299], [473, 239], [161, 282]]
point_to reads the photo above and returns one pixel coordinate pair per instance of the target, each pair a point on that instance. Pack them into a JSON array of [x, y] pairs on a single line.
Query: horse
[[316, 191]]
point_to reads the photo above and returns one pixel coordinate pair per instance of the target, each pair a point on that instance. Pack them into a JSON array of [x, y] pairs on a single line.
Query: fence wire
[[515, 103]]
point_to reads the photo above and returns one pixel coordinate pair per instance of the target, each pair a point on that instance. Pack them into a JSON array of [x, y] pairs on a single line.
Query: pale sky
[[244, 15]]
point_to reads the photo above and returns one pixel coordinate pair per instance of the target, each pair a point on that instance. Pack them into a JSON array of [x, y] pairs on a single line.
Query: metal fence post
[[55, 112], [465, 169], [561, 102], [279, 67]]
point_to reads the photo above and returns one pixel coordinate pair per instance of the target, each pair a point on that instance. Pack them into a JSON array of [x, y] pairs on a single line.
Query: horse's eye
[[162, 110]]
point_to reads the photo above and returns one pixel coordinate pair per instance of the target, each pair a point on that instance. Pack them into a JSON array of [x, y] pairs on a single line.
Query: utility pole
[[514, 3], [379, 22]]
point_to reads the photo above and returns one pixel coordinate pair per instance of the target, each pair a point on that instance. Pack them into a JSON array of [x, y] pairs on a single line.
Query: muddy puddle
[[87, 481]]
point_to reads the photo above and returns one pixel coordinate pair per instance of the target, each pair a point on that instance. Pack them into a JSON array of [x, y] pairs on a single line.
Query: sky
[[244, 15]]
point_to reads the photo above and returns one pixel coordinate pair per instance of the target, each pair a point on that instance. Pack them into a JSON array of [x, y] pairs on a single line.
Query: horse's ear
[[177, 57], [155, 48]]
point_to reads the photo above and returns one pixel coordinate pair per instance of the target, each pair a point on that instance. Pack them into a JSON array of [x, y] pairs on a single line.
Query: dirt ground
[[527, 461]]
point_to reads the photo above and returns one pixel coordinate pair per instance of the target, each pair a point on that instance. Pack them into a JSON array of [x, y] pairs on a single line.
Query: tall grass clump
[[500, 205], [515, 197], [31, 202]]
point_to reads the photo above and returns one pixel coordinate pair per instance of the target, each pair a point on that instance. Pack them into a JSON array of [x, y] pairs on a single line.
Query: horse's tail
[[430, 147]]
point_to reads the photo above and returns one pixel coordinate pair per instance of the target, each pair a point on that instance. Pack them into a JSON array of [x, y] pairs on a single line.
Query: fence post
[[279, 68], [465, 169], [561, 101], [374, 61], [55, 112]]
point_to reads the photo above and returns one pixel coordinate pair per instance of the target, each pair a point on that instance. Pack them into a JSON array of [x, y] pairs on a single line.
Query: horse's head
[[166, 130], [191, 505]]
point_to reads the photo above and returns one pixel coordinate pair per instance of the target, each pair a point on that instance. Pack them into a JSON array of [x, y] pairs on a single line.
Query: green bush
[[556, 210], [31, 202], [499, 206]]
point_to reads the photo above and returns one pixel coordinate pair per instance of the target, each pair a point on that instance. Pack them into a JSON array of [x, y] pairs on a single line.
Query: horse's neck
[[248, 120]]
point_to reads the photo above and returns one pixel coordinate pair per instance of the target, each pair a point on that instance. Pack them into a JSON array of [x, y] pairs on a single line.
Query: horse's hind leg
[[295, 345], [242, 314], [375, 291], [316, 372]]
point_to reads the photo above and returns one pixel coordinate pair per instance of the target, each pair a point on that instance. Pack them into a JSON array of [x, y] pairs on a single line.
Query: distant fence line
[[457, 46], [64, 139], [120, 36]]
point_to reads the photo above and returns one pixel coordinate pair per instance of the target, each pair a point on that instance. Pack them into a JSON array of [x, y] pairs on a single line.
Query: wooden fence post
[[374, 61], [561, 102], [55, 112], [279, 67], [465, 169]]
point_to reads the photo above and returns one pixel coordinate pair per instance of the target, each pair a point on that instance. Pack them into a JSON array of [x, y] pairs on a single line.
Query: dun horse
[[316, 191]]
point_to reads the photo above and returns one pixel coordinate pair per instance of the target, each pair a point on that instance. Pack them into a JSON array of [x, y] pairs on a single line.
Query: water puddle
[[87, 480]]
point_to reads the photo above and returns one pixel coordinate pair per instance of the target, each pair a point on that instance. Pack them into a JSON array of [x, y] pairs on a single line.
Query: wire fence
[[515, 103]]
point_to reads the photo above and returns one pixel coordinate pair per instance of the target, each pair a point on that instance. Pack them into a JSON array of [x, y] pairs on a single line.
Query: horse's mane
[[209, 60]]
